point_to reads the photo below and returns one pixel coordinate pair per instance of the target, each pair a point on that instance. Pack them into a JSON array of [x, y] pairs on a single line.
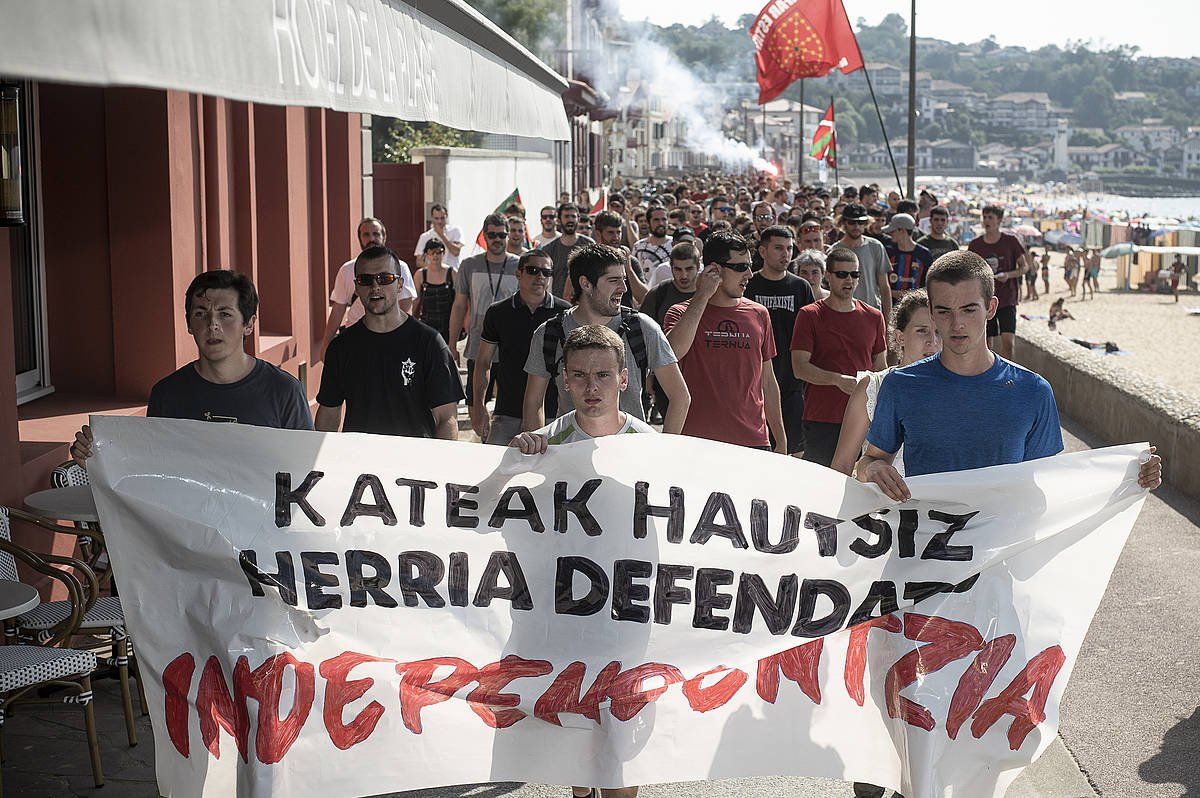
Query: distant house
[[889, 80], [1149, 138], [956, 95], [1191, 157], [1129, 96], [1106, 156], [949, 154], [1024, 110]]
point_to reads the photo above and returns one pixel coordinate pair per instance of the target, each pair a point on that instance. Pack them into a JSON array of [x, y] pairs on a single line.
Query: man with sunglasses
[[835, 338], [549, 217], [482, 280], [508, 328], [725, 346], [874, 283], [393, 374], [345, 309]]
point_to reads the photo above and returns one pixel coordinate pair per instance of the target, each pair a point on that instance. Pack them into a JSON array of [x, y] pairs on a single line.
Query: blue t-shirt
[[948, 422]]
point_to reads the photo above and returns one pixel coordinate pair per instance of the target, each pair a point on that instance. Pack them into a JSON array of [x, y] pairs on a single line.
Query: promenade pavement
[[1130, 725]]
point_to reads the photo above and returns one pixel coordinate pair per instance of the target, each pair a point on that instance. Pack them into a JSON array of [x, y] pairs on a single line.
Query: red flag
[[601, 202], [796, 39], [824, 143]]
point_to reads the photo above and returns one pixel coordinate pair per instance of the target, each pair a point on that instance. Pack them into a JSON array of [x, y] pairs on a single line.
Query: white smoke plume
[[684, 95]]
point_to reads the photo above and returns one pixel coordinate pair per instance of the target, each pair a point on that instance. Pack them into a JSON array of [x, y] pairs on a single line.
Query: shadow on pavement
[[1175, 763]]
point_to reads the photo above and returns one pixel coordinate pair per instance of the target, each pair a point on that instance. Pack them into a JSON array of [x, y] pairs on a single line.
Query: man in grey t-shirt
[[482, 279], [597, 275], [874, 285]]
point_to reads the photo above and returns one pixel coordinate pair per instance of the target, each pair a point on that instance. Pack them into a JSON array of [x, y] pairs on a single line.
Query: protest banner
[[351, 614]]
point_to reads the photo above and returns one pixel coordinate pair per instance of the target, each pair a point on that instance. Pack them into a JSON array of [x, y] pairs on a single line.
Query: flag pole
[[837, 180], [800, 141], [883, 129], [910, 169]]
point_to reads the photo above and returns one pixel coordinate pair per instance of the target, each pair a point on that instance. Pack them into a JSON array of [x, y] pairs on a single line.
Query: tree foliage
[[393, 140], [540, 25]]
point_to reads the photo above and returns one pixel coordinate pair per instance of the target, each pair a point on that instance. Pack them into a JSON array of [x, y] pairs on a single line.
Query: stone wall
[[1117, 405]]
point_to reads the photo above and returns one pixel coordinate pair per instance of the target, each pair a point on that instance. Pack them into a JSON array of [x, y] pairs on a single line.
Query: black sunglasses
[[548, 217], [383, 278], [538, 272], [737, 267], [843, 275], [494, 236]]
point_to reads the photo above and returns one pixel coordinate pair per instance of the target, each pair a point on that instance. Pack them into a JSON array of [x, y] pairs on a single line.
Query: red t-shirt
[[723, 371], [1003, 256], [846, 343]]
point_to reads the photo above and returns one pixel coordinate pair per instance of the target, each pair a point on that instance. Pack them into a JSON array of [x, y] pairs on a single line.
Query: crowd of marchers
[[840, 326]]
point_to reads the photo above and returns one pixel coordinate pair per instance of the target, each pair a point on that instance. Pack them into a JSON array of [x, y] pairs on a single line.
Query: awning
[[421, 60]]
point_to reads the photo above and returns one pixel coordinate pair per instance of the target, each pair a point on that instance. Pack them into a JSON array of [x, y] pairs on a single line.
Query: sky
[[1158, 27]]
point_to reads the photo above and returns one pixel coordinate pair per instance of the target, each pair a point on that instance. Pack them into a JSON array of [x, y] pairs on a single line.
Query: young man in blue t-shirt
[[1003, 413]]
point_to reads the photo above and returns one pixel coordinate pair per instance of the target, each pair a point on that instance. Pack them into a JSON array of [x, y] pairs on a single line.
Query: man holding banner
[[969, 376]]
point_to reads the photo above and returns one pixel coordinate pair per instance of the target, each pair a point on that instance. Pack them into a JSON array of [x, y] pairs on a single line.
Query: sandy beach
[[1156, 336]]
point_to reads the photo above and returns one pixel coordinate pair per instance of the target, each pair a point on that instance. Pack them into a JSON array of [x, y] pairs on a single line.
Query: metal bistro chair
[[26, 668], [68, 475], [102, 617]]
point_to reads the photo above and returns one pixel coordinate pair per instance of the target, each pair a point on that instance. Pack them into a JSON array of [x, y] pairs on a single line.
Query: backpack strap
[[552, 345], [631, 332]]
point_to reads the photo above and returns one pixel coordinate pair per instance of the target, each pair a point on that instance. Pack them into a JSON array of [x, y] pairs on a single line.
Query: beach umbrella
[[1117, 250], [1027, 231], [1071, 239]]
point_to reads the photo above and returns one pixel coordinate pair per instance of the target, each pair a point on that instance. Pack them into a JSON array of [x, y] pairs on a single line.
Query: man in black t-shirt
[[782, 294], [508, 329], [394, 374], [223, 383], [685, 269]]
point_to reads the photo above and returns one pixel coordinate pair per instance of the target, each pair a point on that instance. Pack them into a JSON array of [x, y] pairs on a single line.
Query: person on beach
[[1046, 272], [1031, 276], [1071, 271]]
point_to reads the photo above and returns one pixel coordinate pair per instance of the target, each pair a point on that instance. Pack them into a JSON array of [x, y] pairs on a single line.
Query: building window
[[28, 273]]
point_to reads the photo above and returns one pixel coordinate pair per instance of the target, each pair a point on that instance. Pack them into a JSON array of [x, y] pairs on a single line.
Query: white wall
[[471, 183]]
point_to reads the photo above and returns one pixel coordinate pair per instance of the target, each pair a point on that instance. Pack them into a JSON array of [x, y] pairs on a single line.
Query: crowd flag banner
[[351, 614], [601, 202], [824, 143], [515, 196], [796, 39]]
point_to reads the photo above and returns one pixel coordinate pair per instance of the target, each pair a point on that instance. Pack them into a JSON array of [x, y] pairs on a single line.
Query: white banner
[[381, 57], [325, 614]]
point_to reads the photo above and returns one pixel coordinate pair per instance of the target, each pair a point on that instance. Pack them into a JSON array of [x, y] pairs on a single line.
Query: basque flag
[[796, 39]]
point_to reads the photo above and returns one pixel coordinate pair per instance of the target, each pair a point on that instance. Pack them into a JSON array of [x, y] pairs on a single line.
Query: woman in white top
[[914, 335]]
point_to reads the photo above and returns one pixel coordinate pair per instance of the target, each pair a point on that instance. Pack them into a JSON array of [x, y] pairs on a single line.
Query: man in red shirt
[[725, 345], [835, 338], [1005, 253]]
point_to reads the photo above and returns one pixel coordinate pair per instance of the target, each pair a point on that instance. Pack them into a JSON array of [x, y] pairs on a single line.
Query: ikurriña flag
[[824, 143], [796, 39]]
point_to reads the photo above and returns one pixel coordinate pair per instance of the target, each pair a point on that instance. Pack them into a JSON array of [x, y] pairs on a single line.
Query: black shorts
[[1005, 321], [820, 441], [792, 405]]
